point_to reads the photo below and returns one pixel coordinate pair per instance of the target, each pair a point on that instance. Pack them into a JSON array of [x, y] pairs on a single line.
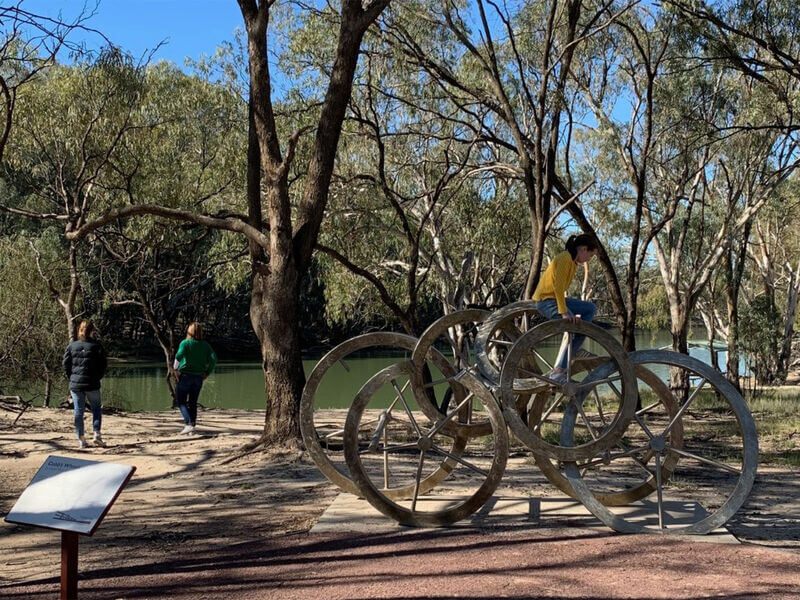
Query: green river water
[[141, 386]]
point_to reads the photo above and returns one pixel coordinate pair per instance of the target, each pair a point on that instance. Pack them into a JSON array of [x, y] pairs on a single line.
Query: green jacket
[[196, 357]]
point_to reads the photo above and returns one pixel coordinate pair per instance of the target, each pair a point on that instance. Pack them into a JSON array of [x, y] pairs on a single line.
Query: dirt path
[[190, 526], [449, 564]]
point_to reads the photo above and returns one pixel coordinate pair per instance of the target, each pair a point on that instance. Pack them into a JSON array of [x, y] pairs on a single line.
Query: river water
[[141, 386]]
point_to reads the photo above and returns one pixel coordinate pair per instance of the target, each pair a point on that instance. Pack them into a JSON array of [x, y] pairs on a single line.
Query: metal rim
[[641, 489], [500, 320], [462, 507], [511, 386], [339, 475], [749, 461], [424, 346]]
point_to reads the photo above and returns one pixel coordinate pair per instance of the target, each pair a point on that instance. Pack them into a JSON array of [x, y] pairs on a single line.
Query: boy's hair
[[194, 331], [583, 239]]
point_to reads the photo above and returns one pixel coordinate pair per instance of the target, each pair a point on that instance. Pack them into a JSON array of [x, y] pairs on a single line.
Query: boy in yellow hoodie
[[551, 294]]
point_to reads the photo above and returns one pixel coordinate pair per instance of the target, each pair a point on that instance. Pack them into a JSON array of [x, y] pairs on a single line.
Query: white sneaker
[[187, 429], [98, 440], [82, 443], [557, 378]]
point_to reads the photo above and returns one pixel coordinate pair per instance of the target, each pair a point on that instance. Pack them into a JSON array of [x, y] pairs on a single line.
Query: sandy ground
[[187, 506]]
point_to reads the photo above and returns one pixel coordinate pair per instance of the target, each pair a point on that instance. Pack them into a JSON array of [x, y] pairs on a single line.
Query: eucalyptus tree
[[281, 236], [69, 126], [618, 75], [775, 285], [29, 44], [507, 69], [411, 212], [185, 153], [94, 135], [32, 327], [760, 40]]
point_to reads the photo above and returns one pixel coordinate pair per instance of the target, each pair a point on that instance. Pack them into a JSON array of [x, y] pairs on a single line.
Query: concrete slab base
[[348, 513]]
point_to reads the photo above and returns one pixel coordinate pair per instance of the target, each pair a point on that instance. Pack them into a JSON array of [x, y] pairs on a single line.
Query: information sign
[[70, 494]]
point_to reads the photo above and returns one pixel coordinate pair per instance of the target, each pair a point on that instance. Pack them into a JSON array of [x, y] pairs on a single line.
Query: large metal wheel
[[718, 453], [323, 431], [497, 334], [404, 448], [625, 473], [518, 380], [456, 331]]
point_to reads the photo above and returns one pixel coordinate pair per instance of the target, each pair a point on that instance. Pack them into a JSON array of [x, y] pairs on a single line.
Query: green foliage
[[32, 327], [760, 335]]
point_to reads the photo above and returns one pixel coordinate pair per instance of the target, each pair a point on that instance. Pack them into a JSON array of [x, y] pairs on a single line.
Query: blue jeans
[[186, 395], [549, 308], [79, 399]]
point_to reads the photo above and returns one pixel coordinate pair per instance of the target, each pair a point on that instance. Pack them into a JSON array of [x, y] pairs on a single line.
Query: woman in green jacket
[[195, 361]]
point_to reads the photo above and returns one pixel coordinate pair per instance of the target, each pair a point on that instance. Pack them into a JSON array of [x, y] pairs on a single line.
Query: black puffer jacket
[[85, 364]]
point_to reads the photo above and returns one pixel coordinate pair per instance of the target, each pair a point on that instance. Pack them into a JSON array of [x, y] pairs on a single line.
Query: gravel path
[[537, 563]]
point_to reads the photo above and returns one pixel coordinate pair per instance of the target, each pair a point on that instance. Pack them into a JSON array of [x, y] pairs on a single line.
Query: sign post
[[70, 495], [69, 565]]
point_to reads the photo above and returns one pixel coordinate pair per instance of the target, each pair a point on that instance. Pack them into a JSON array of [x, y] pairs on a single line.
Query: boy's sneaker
[[187, 429], [82, 443], [98, 440], [557, 378], [584, 354]]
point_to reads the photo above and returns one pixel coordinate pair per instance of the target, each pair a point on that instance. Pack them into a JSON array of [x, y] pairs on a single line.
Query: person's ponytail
[[575, 241]]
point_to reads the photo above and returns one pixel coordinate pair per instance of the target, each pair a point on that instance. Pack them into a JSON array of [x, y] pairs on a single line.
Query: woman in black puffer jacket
[[85, 364]]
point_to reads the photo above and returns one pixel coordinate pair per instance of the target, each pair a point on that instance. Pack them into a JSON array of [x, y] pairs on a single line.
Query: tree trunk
[[274, 312], [732, 360], [678, 381], [48, 388], [793, 294], [68, 305]]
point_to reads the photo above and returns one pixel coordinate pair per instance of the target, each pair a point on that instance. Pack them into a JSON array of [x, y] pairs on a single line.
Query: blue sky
[[187, 27]]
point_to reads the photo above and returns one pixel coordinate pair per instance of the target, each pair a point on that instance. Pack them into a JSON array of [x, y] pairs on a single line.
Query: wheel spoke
[[708, 461], [333, 434], [685, 406], [569, 356], [643, 425], [538, 376], [599, 403], [659, 492], [385, 448], [649, 408], [385, 460], [460, 460], [594, 384], [543, 359], [407, 408], [417, 480], [449, 416], [592, 431], [444, 379], [626, 454], [616, 391], [556, 400], [379, 430]]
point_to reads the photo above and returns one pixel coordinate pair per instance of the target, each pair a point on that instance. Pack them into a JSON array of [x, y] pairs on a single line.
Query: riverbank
[[185, 495]]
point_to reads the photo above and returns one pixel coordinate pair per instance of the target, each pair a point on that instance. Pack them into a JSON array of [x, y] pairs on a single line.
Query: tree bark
[[279, 268]]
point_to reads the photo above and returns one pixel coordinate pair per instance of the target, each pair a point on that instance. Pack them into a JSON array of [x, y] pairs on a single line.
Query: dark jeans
[[549, 308], [186, 395]]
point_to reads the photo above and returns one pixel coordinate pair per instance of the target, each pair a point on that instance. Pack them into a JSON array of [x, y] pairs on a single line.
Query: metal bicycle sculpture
[[638, 438]]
